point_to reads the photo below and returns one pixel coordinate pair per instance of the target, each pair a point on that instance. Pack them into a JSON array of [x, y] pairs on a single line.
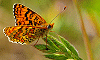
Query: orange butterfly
[[29, 26]]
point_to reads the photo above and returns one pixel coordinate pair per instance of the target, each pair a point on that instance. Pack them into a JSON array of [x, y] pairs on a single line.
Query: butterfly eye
[[49, 26]]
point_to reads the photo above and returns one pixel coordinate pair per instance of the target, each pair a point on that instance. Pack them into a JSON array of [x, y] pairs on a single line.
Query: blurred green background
[[67, 24]]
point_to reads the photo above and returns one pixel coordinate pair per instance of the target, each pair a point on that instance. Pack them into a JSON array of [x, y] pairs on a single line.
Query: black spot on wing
[[30, 22], [33, 28], [23, 6], [35, 23], [19, 4], [26, 18], [36, 18], [27, 12]]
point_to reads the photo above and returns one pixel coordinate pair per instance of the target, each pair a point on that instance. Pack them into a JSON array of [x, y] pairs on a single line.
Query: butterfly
[[29, 26]]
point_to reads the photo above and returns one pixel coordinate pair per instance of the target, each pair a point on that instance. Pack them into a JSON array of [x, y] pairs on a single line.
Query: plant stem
[[95, 24], [85, 36]]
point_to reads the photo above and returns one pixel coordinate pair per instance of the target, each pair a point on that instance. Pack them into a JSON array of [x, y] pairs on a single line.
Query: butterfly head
[[50, 26]]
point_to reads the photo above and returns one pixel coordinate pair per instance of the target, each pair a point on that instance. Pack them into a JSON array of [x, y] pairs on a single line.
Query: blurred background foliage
[[67, 25]]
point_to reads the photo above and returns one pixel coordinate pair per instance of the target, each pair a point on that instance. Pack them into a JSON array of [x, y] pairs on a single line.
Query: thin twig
[[85, 36]]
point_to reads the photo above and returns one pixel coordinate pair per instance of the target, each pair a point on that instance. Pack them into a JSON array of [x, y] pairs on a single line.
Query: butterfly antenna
[[59, 13]]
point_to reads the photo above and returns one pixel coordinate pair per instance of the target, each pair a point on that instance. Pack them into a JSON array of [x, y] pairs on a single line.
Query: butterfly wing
[[24, 34], [25, 16]]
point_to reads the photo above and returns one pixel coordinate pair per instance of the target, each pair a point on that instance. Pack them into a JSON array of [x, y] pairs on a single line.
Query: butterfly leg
[[36, 42], [46, 43]]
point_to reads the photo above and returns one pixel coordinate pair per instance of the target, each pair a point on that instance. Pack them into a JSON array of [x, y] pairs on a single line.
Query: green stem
[[85, 36]]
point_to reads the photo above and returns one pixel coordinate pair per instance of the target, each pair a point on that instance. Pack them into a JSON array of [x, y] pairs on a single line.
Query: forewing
[[25, 16]]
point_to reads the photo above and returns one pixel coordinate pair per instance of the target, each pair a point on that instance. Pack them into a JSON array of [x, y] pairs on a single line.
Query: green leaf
[[51, 44], [56, 56], [57, 50], [68, 45], [42, 48], [62, 48], [56, 43]]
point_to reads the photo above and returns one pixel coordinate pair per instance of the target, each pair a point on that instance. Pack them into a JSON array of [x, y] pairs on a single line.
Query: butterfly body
[[29, 26]]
